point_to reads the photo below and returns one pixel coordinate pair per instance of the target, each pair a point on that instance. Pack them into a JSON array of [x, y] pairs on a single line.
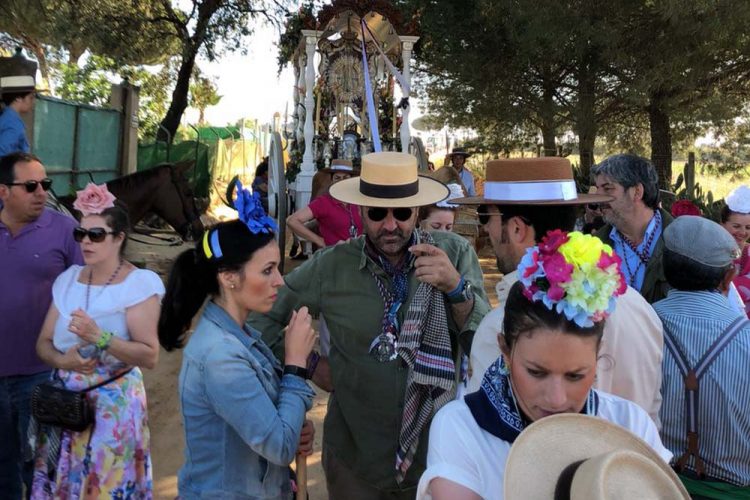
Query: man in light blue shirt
[[706, 383], [458, 158], [635, 222], [18, 95]]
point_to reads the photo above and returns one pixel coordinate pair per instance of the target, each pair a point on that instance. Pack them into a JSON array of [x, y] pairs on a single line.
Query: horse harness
[[691, 378], [189, 217]]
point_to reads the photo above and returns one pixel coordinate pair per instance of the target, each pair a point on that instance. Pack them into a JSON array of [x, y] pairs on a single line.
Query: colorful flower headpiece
[[94, 199], [684, 207], [575, 274], [251, 212]]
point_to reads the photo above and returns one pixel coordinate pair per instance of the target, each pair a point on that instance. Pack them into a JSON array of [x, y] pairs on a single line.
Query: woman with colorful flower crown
[[554, 317], [243, 412], [99, 331]]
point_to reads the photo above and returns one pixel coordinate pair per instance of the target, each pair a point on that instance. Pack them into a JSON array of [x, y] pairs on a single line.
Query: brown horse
[[163, 190]]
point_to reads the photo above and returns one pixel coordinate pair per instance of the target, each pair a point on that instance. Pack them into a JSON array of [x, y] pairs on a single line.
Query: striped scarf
[[424, 345]]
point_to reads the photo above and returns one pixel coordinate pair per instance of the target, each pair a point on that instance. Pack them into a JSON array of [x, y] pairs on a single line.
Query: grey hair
[[630, 170]]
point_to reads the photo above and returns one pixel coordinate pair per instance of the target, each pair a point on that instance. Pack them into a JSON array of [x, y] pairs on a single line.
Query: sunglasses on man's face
[[377, 214], [32, 185], [484, 214], [593, 206], [95, 234]]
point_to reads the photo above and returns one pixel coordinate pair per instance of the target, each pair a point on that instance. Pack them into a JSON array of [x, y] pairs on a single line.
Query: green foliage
[[203, 93], [88, 84], [292, 34], [704, 200]]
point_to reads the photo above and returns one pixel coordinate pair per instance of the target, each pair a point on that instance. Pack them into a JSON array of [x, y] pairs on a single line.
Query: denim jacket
[[242, 418]]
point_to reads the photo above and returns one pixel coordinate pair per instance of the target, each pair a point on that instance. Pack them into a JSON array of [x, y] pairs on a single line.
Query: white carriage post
[[407, 44], [307, 170]]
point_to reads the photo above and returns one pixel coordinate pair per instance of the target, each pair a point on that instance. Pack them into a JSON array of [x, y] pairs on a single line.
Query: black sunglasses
[[32, 185], [483, 214], [377, 214], [593, 206], [95, 234]]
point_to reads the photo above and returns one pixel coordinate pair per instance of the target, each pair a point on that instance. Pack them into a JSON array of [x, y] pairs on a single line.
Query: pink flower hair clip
[[94, 199]]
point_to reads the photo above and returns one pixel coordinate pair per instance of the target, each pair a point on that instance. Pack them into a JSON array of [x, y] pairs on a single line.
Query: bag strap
[[111, 379], [691, 377]]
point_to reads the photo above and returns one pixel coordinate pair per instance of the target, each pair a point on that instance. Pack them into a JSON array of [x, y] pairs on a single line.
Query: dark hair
[[523, 316], [683, 273], [726, 213], [542, 218], [425, 211], [194, 277], [262, 167], [629, 170], [9, 97], [8, 164], [118, 219]]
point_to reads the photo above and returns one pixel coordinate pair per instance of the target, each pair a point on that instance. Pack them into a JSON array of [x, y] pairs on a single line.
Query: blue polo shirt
[[30, 261], [12, 133]]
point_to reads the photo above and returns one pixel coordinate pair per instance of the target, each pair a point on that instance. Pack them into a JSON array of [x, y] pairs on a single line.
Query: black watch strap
[[295, 370]]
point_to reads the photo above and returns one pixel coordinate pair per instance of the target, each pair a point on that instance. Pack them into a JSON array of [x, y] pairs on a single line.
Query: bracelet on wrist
[[104, 340], [295, 370], [459, 288]]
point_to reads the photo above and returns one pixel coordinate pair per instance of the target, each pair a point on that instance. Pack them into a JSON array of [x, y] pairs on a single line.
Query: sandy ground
[[167, 440]]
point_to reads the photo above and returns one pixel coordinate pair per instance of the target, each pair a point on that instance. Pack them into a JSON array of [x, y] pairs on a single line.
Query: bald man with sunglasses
[[36, 245], [397, 302]]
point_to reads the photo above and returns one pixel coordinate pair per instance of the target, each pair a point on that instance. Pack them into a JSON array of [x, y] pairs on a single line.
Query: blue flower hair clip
[[251, 212]]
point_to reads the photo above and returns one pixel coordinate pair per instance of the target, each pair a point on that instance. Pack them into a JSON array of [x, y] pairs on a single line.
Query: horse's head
[[176, 203]]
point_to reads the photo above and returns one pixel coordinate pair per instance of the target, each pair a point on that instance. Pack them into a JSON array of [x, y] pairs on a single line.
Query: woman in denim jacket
[[242, 412]]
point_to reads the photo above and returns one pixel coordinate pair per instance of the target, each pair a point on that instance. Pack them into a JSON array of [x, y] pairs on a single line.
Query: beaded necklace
[[109, 282], [643, 255]]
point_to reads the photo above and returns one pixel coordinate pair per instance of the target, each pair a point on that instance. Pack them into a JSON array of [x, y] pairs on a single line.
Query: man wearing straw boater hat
[[457, 159], [17, 94], [397, 302], [524, 198]]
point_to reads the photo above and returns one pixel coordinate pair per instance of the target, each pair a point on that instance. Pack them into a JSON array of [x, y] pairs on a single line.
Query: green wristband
[[104, 340]]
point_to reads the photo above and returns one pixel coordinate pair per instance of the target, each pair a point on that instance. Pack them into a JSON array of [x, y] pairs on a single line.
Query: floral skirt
[[111, 459]]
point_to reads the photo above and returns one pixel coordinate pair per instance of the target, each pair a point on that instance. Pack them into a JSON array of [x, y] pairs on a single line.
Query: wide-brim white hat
[[594, 458], [389, 180]]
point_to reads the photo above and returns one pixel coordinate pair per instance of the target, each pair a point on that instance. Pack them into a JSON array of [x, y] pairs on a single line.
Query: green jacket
[[655, 286], [364, 412]]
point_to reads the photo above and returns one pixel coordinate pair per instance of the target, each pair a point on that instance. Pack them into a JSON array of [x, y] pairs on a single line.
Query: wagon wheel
[[277, 196]]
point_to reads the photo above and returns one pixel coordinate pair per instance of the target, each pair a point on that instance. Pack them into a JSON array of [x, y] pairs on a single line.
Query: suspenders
[[691, 376]]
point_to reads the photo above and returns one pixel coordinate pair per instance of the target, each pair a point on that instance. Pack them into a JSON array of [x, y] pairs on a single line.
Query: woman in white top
[[101, 327], [554, 317]]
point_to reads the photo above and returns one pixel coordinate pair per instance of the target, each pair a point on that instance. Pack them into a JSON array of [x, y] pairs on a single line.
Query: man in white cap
[[524, 198], [706, 384], [397, 302], [17, 94]]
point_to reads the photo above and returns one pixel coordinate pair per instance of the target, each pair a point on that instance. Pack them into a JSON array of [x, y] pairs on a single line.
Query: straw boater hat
[[531, 181], [340, 166], [20, 83], [591, 458], [389, 180]]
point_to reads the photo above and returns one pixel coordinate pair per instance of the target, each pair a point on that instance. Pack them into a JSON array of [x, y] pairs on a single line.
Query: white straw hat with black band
[[389, 180]]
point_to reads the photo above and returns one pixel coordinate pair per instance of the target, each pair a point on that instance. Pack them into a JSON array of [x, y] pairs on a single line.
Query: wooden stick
[[301, 477]]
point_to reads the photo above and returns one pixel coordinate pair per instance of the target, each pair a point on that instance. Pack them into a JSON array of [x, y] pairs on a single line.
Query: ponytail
[[190, 282]]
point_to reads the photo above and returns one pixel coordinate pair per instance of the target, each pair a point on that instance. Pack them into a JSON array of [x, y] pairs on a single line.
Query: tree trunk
[[586, 120], [179, 102], [661, 140], [547, 115]]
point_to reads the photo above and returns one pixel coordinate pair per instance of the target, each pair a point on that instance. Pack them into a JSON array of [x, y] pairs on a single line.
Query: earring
[[231, 286]]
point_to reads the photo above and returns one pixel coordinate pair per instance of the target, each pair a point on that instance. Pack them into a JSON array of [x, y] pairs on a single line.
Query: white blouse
[[462, 452], [107, 305]]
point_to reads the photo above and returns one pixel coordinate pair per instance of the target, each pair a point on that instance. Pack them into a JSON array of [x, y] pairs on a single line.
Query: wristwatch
[[295, 370], [462, 294]]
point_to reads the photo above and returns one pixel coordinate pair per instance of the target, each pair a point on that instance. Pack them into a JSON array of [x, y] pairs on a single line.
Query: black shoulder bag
[[54, 405]]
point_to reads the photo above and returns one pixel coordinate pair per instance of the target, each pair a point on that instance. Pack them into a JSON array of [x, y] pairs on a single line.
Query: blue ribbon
[[371, 115]]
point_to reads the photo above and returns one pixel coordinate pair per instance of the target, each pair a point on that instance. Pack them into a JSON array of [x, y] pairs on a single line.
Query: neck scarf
[[424, 345], [495, 409]]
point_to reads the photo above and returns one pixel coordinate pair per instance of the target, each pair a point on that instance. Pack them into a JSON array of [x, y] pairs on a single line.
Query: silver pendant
[[352, 231], [383, 348]]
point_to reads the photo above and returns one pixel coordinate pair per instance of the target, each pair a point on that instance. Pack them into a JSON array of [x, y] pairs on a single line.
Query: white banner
[[537, 191]]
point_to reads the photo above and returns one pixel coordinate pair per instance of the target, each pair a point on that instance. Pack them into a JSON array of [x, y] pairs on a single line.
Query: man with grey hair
[[635, 222], [705, 384]]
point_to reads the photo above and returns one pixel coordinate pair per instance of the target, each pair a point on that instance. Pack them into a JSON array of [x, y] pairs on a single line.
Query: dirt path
[[165, 421]]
